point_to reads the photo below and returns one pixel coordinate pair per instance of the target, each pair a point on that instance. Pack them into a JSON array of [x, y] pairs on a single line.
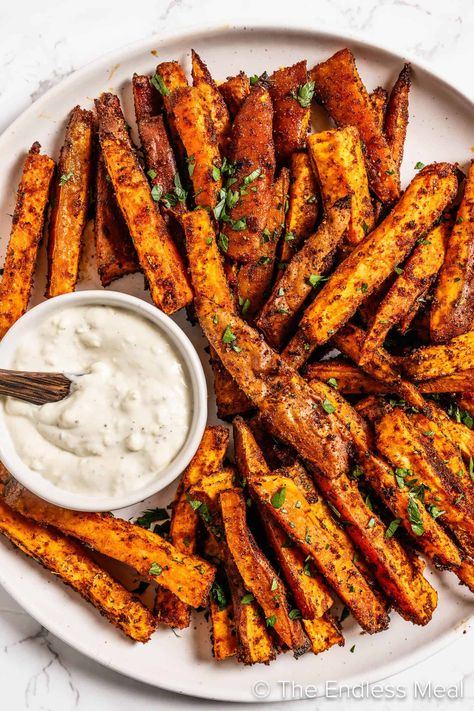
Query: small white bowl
[[47, 490]]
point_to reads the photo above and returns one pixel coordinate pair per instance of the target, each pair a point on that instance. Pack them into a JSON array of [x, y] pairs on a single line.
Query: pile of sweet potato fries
[[338, 312]]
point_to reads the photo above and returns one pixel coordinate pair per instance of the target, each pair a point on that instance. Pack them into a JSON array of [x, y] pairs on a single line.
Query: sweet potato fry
[[193, 124], [452, 311], [71, 195], [396, 115], [303, 273], [25, 235], [114, 251], [211, 98], [351, 380], [254, 278], [430, 536], [435, 361], [224, 634], [466, 400], [446, 450], [157, 253], [230, 399], [301, 523], [418, 274], [339, 164], [459, 434], [235, 90], [379, 98], [397, 573], [423, 202], [340, 89], [260, 579], [168, 78], [75, 567], [146, 552], [280, 393], [183, 535], [159, 156], [417, 464], [251, 151], [303, 205], [291, 95], [209, 456], [255, 642], [323, 634]]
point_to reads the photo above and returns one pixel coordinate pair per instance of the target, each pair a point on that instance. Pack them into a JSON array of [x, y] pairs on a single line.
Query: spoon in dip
[[37, 388]]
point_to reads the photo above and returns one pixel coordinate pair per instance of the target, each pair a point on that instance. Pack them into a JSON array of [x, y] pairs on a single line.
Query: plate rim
[[187, 33]]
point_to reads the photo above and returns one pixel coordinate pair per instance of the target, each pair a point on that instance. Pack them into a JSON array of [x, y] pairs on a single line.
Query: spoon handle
[[37, 388]]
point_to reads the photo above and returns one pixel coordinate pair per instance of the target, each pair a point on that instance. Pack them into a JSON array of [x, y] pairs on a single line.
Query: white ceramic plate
[[440, 129]]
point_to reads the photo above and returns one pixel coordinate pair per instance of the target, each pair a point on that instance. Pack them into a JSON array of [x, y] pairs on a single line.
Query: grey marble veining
[[40, 44]]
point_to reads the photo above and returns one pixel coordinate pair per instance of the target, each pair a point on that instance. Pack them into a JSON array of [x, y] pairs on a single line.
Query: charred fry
[[114, 251], [291, 96], [396, 115]]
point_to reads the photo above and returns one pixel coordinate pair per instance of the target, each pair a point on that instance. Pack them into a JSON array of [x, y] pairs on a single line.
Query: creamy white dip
[[127, 416]]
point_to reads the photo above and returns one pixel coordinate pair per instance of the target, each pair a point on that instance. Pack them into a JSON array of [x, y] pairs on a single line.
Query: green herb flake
[[247, 599], [278, 498], [65, 178], [218, 595], [254, 79], [305, 94], [289, 236], [414, 517], [270, 621], [263, 260], [392, 528], [244, 306], [155, 569], [328, 406], [191, 161], [419, 165], [332, 382], [398, 270], [315, 279], [274, 584], [281, 291], [159, 84], [252, 176], [371, 523], [365, 227], [351, 650], [150, 516], [156, 192], [295, 614], [151, 174], [228, 336], [223, 242]]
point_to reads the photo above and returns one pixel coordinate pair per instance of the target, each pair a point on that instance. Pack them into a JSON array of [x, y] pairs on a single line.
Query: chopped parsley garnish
[[295, 614], [305, 94], [315, 279], [398, 270], [244, 305], [328, 406], [239, 225], [216, 173], [332, 382], [270, 621], [155, 569], [419, 165], [151, 174], [159, 84], [371, 523], [156, 192], [414, 517], [247, 599], [65, 177], [363, 287], [365, 227], [392, 528], [274, 584], [191, 161], [289, 236], [263, 260], [150, 516], [434, 511], [218, 595], [278, 498], [223, 242], [252, 176]]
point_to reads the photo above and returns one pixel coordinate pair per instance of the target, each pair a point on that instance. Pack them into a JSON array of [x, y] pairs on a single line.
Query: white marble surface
[[42, 42]]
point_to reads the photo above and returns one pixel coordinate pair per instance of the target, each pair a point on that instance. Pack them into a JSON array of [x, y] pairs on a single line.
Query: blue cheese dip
[[129, 411]]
